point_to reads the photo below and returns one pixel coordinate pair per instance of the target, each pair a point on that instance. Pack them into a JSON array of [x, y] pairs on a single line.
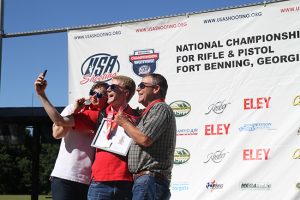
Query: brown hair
[[99, 84]]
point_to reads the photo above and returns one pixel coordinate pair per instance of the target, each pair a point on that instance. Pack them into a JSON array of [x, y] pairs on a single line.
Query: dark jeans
[[147, 187], [68, 190], [110, 190]]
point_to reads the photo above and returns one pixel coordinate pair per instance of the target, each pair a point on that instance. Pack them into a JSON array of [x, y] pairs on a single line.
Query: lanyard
[[111, 125]]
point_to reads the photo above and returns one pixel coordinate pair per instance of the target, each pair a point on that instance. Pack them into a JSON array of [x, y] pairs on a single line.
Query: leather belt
[[149, 173]]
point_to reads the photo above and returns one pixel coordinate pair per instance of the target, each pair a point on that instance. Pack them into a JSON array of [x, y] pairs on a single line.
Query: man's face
[[117, 94], [146, 91], [98, 95]]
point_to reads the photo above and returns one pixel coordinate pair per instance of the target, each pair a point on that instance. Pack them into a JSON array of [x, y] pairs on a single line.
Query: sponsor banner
[[233, 78]]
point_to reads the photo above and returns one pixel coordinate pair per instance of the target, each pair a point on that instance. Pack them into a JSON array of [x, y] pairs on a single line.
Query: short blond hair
[[128, 83]]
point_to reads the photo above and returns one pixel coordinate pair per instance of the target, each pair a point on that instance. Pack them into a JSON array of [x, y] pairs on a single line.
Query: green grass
[[23, 197]]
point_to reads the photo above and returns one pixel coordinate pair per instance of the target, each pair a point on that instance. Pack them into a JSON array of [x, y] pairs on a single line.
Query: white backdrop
[[234, 85]]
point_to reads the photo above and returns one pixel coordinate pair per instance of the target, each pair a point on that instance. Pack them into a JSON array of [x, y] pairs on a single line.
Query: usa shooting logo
[[99, 67], [144, 61]]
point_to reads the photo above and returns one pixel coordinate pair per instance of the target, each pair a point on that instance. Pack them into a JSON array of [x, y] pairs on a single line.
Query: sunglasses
[[98, 95], [143, 85], [113, 87]]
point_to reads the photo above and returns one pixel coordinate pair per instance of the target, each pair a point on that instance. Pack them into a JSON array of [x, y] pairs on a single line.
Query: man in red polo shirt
[[111, 178]]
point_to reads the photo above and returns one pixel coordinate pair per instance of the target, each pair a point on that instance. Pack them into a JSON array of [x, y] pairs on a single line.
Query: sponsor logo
[[187, 131], [216, 157], [99, 67], [216, 129], [296, 101], [256, 154], [255, 186], [255, 126], [213, 185], [181, 156], [217, 108], [180, 108], [257, 103], [144, 61], [179, 187], [296, 154]]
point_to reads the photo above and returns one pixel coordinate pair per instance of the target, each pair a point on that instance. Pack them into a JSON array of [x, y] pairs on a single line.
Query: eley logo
[[99, 67], [256, 154], [180, 108], [257, 103], [144, 61], [216, 129]]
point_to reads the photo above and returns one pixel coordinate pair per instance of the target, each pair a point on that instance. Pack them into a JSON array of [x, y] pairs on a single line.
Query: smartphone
[[45, 72]]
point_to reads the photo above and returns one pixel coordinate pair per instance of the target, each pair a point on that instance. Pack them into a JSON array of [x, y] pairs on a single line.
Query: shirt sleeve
[[68, 110]]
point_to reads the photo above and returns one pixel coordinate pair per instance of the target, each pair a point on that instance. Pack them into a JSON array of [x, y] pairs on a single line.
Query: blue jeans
[[147, 187], [110, 190], [62, 189]]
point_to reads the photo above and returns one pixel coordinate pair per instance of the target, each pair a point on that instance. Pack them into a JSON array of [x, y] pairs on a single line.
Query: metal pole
[[35, 161], [1, 36]]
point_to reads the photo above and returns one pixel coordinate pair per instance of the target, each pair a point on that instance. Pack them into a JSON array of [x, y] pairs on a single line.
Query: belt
[[149, 173]]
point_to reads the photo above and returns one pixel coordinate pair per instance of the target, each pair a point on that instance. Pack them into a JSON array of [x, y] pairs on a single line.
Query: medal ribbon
[[111, 125]]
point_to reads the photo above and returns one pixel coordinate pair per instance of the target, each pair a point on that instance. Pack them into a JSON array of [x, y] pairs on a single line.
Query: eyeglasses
[[98, 95], [142, 85]]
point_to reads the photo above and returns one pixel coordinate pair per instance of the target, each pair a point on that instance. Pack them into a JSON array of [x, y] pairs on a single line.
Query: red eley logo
[[257, 103], [256, 154], [216, 129]]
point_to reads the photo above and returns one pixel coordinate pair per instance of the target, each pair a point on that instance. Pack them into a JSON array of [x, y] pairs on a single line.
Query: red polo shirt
[[107, 166]]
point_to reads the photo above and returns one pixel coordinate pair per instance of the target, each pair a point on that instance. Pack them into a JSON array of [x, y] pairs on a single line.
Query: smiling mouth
[[110, 95]]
